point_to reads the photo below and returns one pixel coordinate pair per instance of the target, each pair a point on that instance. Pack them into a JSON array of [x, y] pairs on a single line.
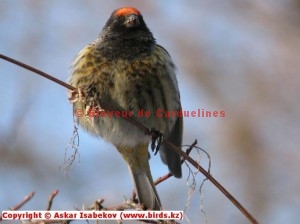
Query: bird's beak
[[132, 20]]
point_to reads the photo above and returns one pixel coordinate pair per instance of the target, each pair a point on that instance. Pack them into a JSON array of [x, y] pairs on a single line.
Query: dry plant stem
[[50, 201], [23, 202], [150, 133], [163, 178]]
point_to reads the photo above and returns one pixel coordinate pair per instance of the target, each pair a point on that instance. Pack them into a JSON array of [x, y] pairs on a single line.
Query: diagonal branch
[[106, 106]]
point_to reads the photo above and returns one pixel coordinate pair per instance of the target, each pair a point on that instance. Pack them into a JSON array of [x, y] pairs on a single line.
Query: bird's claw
[[157, 139]]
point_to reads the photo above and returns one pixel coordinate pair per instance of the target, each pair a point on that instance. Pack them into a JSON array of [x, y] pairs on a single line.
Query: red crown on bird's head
[[127, 10]]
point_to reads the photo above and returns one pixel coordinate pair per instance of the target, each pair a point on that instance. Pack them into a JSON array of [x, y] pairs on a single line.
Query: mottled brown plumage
[[127, 69]]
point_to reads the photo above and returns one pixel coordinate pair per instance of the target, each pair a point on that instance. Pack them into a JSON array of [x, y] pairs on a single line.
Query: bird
[[128, 70]]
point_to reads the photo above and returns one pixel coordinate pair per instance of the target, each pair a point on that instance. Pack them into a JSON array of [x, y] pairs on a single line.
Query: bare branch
[[23, 202], [50, 201]]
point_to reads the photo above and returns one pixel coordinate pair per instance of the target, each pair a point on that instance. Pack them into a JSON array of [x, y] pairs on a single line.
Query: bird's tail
[[145, 190], [137, 159]]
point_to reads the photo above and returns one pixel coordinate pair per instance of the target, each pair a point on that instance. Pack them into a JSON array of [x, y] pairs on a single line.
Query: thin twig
[[41, 73], [74, 144], [23, 202], [188, 151], [50, 200], [163, 178]]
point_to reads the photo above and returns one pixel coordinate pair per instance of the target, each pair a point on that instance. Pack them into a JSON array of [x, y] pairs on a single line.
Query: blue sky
[[230, 57]]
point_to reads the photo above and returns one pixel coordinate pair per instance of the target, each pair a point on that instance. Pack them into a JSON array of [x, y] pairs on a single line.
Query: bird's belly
[[113, 128]]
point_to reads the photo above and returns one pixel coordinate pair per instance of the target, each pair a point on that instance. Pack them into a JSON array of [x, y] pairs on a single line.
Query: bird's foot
[[157, 139]]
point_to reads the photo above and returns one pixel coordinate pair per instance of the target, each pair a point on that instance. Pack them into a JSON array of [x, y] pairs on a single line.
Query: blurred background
[[240, 56]]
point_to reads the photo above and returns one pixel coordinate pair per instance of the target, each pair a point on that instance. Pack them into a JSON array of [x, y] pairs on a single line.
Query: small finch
[[125, 68]]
